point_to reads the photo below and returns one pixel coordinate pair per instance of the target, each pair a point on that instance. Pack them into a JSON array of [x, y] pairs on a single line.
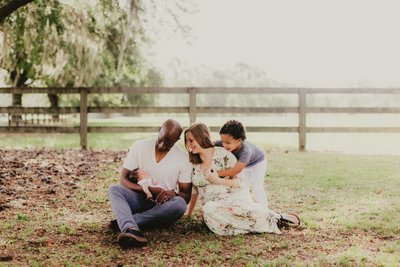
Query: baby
[[145, 181]]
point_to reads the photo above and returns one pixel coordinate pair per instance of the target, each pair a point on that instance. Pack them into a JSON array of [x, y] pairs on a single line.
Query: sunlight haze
[[298, 43]]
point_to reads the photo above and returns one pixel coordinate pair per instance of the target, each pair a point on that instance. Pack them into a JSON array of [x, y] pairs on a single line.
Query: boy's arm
[[212, 177], [239, 166]]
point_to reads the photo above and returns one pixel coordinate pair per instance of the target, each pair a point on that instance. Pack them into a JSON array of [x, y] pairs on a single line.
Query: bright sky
[[328, 43]]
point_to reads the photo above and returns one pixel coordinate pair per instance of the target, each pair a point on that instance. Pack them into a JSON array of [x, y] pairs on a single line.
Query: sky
[[314, 43]]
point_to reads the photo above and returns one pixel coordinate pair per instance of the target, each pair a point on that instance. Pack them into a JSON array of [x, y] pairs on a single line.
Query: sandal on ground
[[288, 220]]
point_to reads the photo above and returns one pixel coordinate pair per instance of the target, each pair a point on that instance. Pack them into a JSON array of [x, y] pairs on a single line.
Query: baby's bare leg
[[147, 191]]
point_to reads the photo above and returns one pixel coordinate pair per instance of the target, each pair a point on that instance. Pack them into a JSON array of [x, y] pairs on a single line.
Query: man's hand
[[164, 196]]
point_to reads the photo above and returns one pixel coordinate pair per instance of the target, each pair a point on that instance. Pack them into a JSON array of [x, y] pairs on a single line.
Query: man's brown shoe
[[131, 238]]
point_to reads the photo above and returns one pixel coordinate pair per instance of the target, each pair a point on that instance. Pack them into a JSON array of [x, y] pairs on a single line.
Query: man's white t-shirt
[[173, 168]]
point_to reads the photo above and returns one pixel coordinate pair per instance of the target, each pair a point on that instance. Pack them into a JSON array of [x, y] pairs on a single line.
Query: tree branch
[[10, 6]]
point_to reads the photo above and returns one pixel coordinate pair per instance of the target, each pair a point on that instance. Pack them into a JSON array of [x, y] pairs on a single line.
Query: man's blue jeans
[[133, 210]]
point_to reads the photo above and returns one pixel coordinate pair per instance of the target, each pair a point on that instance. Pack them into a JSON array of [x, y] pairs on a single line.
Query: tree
[[50, 44], [47, 43], [24, 44], [7, 7]]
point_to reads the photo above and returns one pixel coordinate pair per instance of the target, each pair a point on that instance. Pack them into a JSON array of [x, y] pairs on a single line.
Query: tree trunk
[[53, 98], [19, 81]]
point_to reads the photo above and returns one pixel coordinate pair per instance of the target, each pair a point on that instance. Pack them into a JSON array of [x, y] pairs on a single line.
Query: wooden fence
[[193, 109]]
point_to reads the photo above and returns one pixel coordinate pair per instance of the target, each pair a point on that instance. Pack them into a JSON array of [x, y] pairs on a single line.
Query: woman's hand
[[212, 176]]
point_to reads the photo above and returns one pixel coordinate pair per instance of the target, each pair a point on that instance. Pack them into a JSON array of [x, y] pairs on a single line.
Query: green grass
[[349, 206], [113, 141]]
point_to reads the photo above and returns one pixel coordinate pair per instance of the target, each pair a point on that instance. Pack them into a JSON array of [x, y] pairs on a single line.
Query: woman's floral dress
[[230, 211]]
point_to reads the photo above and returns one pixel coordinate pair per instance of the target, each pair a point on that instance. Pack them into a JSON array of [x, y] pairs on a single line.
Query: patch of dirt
[[27, 175]]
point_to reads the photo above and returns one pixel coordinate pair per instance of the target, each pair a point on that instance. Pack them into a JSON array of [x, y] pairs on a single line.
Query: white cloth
[[148, 182], [231, 211], [173, 168], [255, 175]]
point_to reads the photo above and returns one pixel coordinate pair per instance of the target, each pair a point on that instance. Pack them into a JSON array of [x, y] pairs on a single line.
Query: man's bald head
[[169, 134], [172, 128]]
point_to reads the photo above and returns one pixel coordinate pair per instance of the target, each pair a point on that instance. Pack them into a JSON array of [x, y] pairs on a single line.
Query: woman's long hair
[[201, 134]]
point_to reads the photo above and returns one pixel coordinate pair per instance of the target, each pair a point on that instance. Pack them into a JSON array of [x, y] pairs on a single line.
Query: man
[[170, 165]]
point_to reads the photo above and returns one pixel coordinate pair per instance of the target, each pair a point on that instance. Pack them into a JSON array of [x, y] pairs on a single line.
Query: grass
[[116, 141], [349, 206]]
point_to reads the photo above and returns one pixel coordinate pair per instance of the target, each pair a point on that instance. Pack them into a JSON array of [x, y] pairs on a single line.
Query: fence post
[[83, 118], [192, 105], [302, 119]]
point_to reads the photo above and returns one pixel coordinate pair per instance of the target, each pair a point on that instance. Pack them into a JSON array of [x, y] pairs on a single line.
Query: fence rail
[[193, 109]]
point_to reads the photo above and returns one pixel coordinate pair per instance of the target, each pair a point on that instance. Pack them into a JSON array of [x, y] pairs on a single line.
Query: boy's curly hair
[[234, 128]]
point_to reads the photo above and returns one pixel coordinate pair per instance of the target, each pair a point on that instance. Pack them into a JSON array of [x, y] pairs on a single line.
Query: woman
[[228, 208]]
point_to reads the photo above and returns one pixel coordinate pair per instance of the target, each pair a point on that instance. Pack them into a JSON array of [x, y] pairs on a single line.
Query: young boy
[[251, 160]]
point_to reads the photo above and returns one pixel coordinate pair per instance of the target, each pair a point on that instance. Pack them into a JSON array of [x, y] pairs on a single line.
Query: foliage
[[47, 43], [24, 47]]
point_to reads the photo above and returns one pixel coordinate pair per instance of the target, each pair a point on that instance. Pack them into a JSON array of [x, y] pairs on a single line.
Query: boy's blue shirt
[[249, 154]]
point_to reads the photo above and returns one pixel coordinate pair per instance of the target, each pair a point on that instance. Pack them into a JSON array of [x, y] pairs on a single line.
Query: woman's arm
[[231, 172], [192, 204]]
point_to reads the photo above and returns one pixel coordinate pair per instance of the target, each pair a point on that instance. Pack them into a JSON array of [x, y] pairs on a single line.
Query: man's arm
[[125, 181], [185, 191]]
